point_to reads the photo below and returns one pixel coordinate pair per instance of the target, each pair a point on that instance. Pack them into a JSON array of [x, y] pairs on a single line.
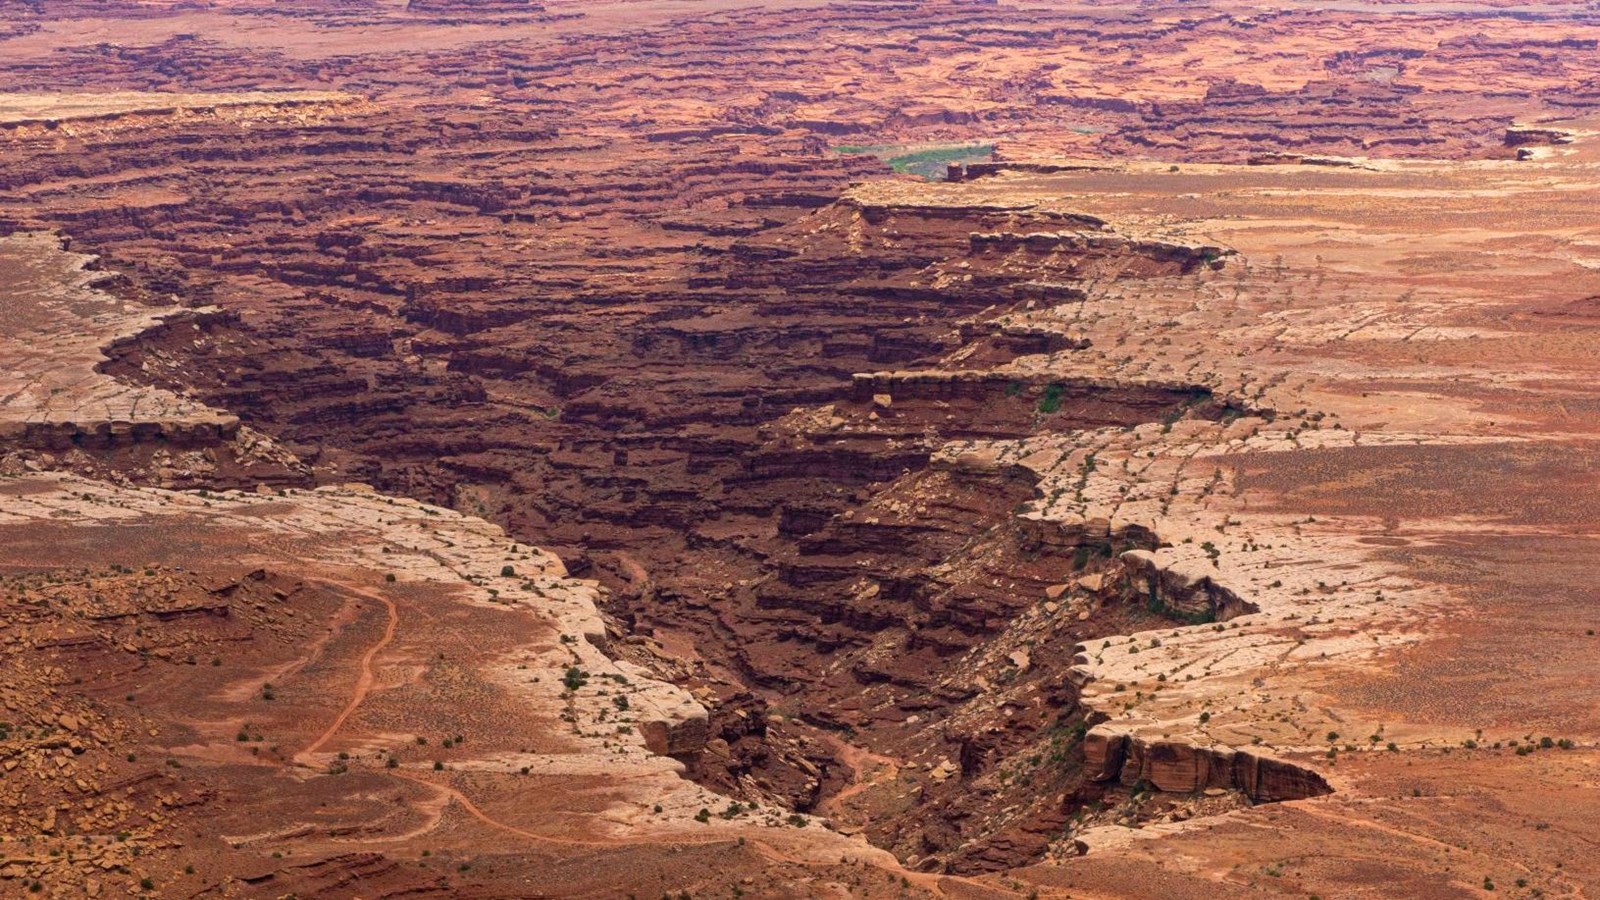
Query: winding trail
[[473, 811], [858, 759], [363, 685], [929, 881]]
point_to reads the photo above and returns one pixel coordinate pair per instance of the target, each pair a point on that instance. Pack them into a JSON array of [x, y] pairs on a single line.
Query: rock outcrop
[[901, 484], [1185, 768], [1184, 587], [57, 405]]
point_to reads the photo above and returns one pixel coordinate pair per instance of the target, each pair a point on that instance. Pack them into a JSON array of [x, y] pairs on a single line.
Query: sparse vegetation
[[927, 161], [1050, 399]]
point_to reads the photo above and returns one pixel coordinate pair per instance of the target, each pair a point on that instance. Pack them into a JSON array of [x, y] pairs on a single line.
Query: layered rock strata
[[578, 279]]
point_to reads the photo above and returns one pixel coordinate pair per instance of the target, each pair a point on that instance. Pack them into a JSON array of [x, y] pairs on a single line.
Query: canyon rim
[[799, 448]]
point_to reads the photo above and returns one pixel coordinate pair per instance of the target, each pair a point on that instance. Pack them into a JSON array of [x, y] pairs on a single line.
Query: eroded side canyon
[[1147, 483]]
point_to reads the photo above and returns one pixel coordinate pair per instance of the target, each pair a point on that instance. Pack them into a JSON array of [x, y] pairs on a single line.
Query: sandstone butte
[[807, 448]]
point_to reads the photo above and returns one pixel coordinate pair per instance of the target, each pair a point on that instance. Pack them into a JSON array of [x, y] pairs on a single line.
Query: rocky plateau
[[814, 448]]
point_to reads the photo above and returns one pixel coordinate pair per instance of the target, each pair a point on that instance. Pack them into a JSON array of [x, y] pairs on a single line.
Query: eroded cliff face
[[1184, 768], [728, 421], [190, 675], [811, 554], [58, 410], [762, 505], [926, 492]]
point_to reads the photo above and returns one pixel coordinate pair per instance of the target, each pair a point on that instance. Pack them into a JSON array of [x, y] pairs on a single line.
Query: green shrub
[[1050, 401]]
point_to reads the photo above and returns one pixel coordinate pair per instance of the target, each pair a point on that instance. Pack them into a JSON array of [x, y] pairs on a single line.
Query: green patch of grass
[[924, 161]]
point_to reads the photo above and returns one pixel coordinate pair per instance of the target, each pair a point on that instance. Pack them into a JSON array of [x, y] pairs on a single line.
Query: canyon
[[574, 449]]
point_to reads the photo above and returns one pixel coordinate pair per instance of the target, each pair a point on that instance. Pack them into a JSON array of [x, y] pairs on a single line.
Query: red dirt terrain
[[871, 449]]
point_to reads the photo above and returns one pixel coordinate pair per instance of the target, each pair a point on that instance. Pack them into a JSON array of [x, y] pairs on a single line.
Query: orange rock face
[[1111, 449]]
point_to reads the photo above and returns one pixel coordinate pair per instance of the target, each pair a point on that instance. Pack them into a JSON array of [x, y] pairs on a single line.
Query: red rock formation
[[1182, 767], [579, 280]]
